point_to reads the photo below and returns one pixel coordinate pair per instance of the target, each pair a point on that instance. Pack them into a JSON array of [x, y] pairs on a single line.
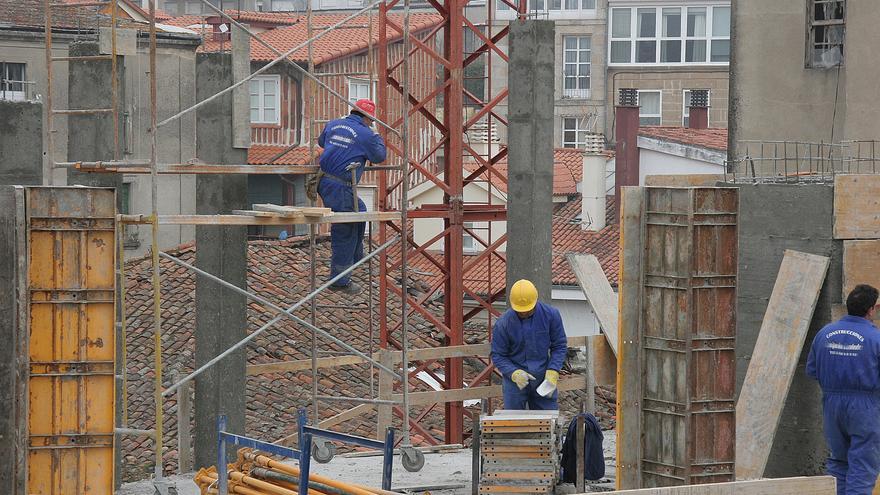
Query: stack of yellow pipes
[[256, 474]]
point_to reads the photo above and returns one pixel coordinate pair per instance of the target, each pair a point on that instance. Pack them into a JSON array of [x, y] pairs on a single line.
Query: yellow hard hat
[[523, 296]]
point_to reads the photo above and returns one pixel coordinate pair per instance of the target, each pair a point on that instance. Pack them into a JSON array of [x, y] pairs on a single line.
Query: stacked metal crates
[[519, 452]]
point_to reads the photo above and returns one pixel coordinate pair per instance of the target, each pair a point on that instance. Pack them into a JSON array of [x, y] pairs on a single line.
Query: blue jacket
[[535, 344], [845, 356], [348, 140]]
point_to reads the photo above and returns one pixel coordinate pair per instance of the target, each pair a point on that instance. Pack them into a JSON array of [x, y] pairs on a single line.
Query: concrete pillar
[[21, 143], [626, 132], [221, 316], [90, 136], [530, 154], [699, 109]]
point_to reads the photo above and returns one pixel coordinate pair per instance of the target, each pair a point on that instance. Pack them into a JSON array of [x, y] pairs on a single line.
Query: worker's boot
[[351, 289]]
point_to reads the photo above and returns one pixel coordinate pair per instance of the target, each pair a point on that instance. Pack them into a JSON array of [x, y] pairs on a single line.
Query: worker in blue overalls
[[845, 359], [348, 143], [529, 348]]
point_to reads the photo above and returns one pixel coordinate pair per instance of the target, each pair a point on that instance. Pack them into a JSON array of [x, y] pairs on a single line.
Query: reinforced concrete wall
[[530, 158], [21, 143], [773, 218]]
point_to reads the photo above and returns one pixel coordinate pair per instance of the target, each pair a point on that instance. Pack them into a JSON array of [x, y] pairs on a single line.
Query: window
[[480, 229], [576, 66], [359, 88], [827, 29], [265, 100], [12, 81], [670, 35], [574, 132], [555, 6], [649, 107], [686, 109]]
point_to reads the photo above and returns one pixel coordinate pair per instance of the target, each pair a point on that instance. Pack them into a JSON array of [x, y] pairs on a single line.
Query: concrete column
[[530, 159], [221, 317], [626, 132], [21, 143], [90, 136]]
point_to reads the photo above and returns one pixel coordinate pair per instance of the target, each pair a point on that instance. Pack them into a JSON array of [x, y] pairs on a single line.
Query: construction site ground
[[446, 473]]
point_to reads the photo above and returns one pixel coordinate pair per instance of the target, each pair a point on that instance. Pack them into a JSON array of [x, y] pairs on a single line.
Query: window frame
[[354, 81], [11, 95], [478, 227], [577, 93], [577, 143], [504, 12], [261, 109], [810, 49], [635, 38], [686, 109], [651, 116]]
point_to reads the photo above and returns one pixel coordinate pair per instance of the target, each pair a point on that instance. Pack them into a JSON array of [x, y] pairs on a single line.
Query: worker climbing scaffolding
[[348, 144]]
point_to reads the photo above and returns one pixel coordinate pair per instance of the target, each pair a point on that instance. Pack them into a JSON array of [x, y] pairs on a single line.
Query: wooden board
[[774, 359], [594, 284], [348, 217], [686, 180], [331, 421], [566, 383], [812, 485], [628, 361], [857, 207], [861, 265]]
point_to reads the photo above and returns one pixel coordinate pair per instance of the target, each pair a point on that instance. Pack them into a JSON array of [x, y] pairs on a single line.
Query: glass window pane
[[672, 22], [255, 86], [570, 70], [621, 23], [585, 42], [570, 42], [721, 51], [570, 82], [555, 4], [649, 101], [255, 101], [721, 22], [649, 121], [695, 51], [588, 5], [647, 20], [583, 69], [583, 82], [571, 4], [270, 87], [670, 51], [537, 5], [255, 116], [269, 115], [620, 52], [696, 21], [646, 52], [268, 101]]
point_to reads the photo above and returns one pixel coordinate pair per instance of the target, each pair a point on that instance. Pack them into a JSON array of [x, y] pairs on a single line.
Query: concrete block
[[126, 41], [21, 143], [241, 107]]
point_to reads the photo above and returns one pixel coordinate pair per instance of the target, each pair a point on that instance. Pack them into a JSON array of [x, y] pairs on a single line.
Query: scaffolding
[[462, 110]]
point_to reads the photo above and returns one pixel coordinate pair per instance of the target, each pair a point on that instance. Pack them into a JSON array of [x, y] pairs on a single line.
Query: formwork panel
[[71, 351], [687, 331]]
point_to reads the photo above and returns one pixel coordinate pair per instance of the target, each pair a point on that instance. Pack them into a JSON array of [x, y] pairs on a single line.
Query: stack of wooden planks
[[270, 210], [519, 452]]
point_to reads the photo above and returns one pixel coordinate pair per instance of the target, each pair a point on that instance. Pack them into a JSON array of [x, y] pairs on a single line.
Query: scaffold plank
[[347, 217]]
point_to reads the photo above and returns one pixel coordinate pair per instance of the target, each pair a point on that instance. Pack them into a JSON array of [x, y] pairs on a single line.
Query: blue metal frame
[[224, 438], [387, 447]]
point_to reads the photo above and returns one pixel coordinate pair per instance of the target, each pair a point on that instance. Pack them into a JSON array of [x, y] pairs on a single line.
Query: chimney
[[626, 132], [699, 109], [593, 191]]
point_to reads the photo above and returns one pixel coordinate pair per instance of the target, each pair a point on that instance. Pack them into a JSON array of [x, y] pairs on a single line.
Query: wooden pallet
[[519, 454]]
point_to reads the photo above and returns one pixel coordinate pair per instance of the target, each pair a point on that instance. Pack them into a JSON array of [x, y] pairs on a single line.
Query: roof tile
[[713, 138]]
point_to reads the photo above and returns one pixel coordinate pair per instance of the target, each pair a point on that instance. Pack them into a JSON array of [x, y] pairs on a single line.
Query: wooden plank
[[254, 213], [331, 421], [349, 217], [773, 362], [686, 180], [386, 389], [441, 396], [807, 485], [278, 209], [594, 284], [303, 364], [604, 361], [628, 360], [861, 265], [857, 207]]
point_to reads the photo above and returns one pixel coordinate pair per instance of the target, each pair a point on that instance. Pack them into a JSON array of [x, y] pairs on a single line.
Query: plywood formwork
[[813, 485], [861, 264], [857, 207], [687, 336]]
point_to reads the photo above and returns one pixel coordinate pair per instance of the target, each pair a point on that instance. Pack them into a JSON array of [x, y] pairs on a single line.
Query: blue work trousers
[[852, 430], [527, 398], [346, 239]]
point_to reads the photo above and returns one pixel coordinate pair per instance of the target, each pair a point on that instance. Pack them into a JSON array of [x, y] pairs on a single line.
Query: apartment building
[[665, 50]]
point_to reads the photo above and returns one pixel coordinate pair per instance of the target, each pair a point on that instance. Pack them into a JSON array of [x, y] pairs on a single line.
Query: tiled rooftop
[[568, 171], [713, 138], [261, 154]]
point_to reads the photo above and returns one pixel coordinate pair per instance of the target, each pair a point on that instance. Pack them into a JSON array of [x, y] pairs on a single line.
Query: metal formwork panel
[[687, 331], [71, 381]]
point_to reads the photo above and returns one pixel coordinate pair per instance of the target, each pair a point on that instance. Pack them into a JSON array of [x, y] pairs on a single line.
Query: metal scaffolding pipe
[[284, 313]]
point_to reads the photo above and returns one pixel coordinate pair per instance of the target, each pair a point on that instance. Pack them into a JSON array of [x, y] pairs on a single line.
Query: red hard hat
[[367, 107]]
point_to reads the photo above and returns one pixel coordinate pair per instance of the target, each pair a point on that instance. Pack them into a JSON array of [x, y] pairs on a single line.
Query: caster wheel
[[413, 460], [323, 451]]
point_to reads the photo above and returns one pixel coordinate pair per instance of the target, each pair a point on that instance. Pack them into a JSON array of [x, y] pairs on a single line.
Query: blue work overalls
[[534, 345], [845, 359], [346, 141]]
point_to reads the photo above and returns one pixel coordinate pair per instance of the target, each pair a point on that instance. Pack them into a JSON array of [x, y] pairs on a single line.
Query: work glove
[[521, 378], [552, 376], [548, 386]]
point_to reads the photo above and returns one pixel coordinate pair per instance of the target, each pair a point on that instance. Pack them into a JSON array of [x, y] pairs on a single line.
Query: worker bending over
[[528, 348], [348, 143], [845, 358]]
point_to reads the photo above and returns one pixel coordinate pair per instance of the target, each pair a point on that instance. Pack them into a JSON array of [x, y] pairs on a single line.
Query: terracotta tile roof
[[277, 270], [567, 237], [713, 139], [261, 154], [338, 43], [244, 16], [568, 171]]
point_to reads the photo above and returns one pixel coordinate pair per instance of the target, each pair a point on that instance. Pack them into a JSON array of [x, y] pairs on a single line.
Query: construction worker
[[348, 143], [528, 348], [845, 359]]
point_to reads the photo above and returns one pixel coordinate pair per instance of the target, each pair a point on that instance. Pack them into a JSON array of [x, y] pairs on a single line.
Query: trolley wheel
[[323, 451], [413, 460]]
